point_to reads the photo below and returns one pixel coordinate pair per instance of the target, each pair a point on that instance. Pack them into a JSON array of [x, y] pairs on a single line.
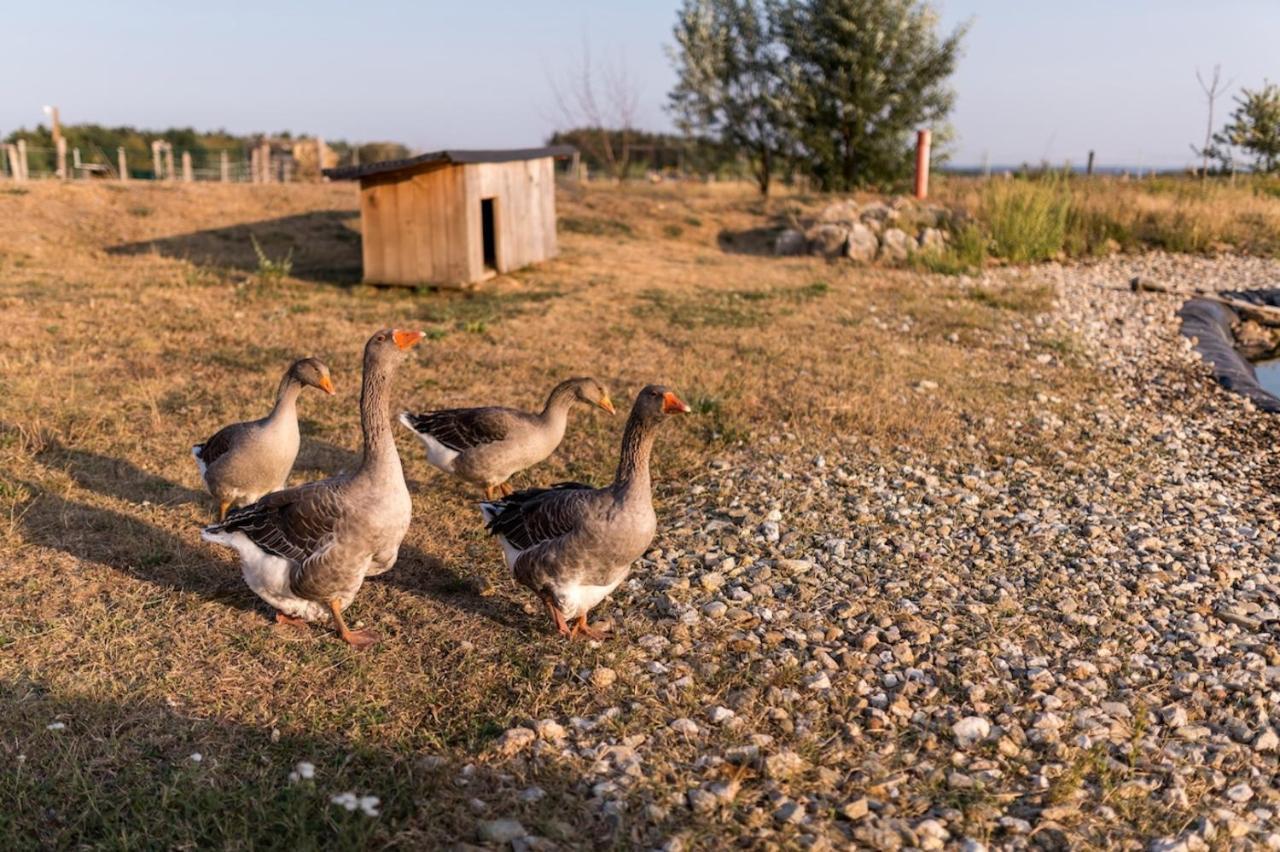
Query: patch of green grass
[[672, 231], [966, 253], [140, 210], [270, 270], [595, 226], [15, 190], [1025, 299], [1027, 219]]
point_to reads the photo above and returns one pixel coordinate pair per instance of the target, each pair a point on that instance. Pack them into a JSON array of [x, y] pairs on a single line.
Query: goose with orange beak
[[487, 446], [572, 544], [307, 550], [243, 461]]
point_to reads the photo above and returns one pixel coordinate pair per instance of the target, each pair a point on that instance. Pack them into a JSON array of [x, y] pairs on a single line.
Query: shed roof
[[451, 157]]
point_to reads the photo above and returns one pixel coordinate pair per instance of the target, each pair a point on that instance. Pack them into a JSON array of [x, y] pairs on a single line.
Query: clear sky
[[1040, 79]]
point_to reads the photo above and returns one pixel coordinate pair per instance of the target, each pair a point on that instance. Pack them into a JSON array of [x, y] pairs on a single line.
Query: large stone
[[827, 240], [790, 242], [895, 245], [932, 241], [500, 831], [878, 213], [845, 212], [862, 244]]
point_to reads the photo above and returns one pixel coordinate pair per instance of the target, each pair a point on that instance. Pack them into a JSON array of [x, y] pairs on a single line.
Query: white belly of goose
[[268, 576], [579, 599], [437, 453], [195, 453]]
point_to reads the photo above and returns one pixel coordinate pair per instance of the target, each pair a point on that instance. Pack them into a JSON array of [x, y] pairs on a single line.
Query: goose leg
[[562, 627], [281, 618], [222, 510], [354, 638], [581, 627], [490, 492], [506, 489]]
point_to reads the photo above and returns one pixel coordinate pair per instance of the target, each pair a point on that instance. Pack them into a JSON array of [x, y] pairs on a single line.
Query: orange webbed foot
[[361, 639], [580, 627], [281, 618]]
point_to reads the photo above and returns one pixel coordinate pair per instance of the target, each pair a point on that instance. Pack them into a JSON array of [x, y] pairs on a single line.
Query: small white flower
[[346, 800], [196, 757], [55, 726], [369, 805], [305, 770]]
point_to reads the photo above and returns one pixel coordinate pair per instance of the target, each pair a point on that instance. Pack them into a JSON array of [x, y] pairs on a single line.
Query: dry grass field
[[136, 320]]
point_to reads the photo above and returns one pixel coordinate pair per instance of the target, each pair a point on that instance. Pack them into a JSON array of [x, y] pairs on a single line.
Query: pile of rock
[[864, 233]]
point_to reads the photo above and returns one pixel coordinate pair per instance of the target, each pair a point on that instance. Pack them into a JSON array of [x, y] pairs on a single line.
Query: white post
[[224, 165], [60, 149], [122, 165], [169, 172], [186, 167], [157, 166], [22, 159]]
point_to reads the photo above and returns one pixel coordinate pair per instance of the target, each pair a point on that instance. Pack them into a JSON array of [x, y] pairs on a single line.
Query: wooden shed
[[455, 217]]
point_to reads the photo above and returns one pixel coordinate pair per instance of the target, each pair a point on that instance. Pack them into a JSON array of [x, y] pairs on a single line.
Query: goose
[[307, 550], [487, 446], [243, 461], [572, 544]]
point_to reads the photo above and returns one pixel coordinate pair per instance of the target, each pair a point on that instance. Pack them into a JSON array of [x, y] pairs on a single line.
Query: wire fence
[[163, 163]]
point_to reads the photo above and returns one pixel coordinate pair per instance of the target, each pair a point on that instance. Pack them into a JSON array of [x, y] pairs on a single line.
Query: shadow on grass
[[131, 546], [753, 241], [123, 775], [323, 246], [118, 478]]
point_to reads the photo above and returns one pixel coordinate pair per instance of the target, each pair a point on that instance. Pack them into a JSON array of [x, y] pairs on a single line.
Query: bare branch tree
[[605, 103], [1212, 89]]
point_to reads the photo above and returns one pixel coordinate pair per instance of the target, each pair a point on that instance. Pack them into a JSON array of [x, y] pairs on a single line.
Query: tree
[[862, 76], [604, 101], [1255, 126], [1212, 90], [727, 60]]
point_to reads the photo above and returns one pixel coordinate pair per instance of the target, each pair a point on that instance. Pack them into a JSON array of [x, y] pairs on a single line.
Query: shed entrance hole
[[490, 234]]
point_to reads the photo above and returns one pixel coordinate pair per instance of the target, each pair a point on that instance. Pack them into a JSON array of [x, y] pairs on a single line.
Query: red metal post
[[923, 141]]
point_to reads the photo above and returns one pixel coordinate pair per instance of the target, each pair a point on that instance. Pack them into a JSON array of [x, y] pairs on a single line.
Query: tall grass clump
[[1027, 220]]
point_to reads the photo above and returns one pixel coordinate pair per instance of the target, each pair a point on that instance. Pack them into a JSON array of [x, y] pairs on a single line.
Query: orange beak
[[405, 339], [607, 404], [671, 404], [326, 385]]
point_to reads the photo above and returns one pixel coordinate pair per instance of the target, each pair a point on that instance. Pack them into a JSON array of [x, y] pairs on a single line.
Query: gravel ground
[[1073, 646]]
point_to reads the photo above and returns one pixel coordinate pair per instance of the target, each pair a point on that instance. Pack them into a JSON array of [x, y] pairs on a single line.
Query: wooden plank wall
[[414, 227], [524, 194], [425, 227]]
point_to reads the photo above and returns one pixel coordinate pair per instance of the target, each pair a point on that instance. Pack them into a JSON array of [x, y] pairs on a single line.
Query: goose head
[[390, 346], [656, 402], [312, 373], [590, 392]]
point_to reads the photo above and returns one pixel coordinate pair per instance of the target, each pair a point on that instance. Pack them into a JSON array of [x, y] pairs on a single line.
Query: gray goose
[[243, 461], [307, 550], [572, 544], [487, 446]]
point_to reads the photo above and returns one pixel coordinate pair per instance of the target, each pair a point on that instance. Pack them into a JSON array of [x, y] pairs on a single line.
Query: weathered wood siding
[[424, 226], [524, 194], [415, 227]]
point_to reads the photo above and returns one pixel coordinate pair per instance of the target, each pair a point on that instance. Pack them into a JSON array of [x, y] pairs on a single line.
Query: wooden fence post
[[264, 161], [186, 167], [254, 176], [923, 140], [169, 172], [224, 167], [15, 167], [1088, 170], [22, 159], [157, 167], [122, 164], [75, 163], [60, 152]]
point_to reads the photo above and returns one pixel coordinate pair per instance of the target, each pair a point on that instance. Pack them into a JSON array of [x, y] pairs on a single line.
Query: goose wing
[[536, 515], [463, 428], [218, 445], [295, 524]]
